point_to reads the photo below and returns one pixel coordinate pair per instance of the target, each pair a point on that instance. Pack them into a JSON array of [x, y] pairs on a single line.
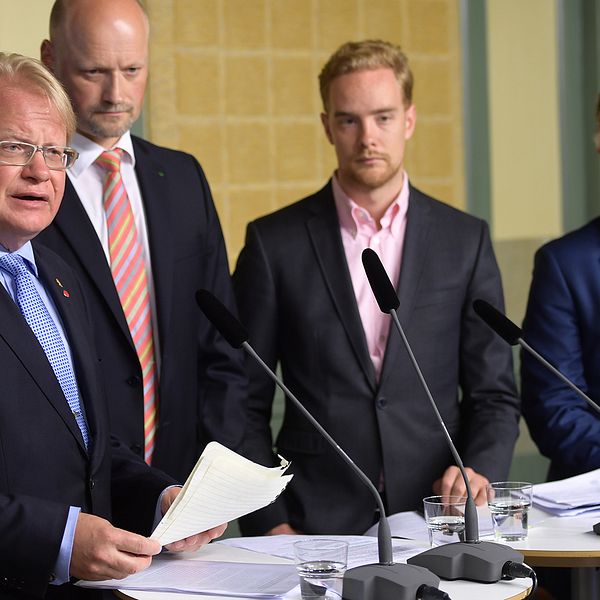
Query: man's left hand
[[193, 542]]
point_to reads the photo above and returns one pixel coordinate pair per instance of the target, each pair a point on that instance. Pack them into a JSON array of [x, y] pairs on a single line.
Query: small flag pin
[[66, 294]]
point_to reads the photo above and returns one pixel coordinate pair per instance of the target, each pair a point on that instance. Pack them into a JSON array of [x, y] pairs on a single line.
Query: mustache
[[107, 107], [366, 155]]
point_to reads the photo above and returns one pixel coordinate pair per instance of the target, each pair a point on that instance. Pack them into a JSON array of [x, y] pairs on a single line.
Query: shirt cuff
[[62, 566]]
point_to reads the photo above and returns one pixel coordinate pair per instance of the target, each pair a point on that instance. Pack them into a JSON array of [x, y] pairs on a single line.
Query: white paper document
[[362, 550], [411, 525], [222, 487], [570, 497], [169, 574]]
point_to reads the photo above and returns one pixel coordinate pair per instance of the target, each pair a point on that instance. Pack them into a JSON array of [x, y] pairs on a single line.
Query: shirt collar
[[89, 151], [353, 217], [26, 252]]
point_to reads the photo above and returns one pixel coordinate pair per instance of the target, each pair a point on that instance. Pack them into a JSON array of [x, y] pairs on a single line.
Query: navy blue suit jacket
[[563, 324], [202, 387], [44, 466]]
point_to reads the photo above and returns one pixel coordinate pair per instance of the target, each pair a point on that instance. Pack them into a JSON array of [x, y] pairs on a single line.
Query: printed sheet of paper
[[570, 497], [362, 550], [222, 487], [168, 574]]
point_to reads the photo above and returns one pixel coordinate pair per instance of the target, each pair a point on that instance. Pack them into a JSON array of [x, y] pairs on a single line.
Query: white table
[[565, 542], [458, 590]]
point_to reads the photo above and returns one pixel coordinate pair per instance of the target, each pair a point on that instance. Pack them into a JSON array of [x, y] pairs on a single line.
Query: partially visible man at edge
[[62, 478], [174, 383], [304, 297]]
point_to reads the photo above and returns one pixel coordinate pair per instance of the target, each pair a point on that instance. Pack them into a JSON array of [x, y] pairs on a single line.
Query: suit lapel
[[153, 181], [324, 233], [19, 336], [414, 258], [78, 231]]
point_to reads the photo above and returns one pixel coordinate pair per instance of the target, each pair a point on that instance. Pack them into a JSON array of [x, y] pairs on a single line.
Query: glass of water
[[445, 519], [509, 503], [321, 565]]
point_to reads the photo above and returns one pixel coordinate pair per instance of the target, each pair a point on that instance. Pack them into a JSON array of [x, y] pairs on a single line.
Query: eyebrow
[[341, 113]]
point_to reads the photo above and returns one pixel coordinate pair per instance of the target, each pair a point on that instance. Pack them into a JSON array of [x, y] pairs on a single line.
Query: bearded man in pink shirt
[[304, 297]]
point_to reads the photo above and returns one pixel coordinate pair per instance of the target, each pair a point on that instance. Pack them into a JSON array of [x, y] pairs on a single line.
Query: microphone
[[383, 581], [512, 334], [472, 559]]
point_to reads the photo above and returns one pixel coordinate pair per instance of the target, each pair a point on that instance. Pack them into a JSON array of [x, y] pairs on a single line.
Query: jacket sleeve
[[490, 406], [257, 301]]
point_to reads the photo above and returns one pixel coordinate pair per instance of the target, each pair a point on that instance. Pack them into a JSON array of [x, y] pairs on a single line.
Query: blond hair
[[364, 56], [18, 69]]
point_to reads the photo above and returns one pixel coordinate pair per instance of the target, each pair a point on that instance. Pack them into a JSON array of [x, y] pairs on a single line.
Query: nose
[[367, 133], [37, 168], [113, 88]]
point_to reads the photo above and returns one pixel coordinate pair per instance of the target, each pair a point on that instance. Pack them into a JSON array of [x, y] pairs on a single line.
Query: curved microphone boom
[[513, 334], [486, 562], [383, 581]]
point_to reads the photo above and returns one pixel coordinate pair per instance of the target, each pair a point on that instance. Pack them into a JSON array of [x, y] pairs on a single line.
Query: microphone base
[[475, 561], [386, 582]]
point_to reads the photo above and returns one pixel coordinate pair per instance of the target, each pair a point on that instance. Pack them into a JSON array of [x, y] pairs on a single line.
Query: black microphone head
[[501, 324], [382, 287], [225, 323]]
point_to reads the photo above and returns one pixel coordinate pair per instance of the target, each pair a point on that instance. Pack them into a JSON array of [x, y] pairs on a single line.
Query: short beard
[[98, 128]]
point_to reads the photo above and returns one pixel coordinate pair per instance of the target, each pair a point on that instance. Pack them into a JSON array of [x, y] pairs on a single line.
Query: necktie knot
[[110, 160], [14, 264]]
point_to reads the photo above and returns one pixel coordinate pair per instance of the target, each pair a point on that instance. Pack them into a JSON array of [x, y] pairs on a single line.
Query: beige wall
[[23, 25], [235, 83], [524, 123]]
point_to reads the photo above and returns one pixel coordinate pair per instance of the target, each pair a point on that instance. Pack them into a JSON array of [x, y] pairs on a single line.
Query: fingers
[[452, 484], [282, 529], [194, 542], [101, 551]]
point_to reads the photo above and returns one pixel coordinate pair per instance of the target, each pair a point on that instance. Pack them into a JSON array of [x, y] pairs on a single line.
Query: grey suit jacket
[[296, 298]]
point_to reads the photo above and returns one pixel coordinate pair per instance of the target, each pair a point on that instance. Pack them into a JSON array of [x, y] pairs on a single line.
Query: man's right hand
[[283, 529], [101, 551]]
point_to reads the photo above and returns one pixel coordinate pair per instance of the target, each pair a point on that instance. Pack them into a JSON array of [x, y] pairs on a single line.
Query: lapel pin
[[161, 173], [58, 282], [66, 294]]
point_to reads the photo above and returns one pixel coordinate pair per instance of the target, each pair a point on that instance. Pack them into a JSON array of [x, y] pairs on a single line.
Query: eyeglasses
[[19, 154]]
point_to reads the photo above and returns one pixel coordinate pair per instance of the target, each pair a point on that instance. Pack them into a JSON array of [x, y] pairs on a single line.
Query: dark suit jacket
[[44, 467], [562, 325], [295, 295], [202, 391]]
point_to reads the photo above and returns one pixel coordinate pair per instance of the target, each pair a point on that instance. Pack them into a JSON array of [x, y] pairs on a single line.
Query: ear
[[410, 120], [47, 54], [325, 122]]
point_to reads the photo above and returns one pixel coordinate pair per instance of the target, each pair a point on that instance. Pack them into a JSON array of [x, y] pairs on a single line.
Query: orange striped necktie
[[131, 280]]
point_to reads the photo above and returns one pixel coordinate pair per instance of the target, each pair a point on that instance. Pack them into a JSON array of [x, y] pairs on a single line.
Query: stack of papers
[[361, 550], [222, 487], [411, 525], [570, 497], [169, 573]]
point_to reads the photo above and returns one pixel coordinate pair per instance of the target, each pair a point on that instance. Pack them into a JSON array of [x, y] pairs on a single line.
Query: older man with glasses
[[63, 480]]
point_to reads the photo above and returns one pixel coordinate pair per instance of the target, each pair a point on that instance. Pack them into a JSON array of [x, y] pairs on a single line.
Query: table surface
[[458, 590], [561, 542]]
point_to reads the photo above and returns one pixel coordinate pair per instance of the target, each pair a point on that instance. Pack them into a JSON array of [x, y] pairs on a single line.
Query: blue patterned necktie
[[43, 326]]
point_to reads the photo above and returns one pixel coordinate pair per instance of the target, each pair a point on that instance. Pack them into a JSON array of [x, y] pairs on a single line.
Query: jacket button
[[137, 448], [381, 402], [134, 381], [92, 483]]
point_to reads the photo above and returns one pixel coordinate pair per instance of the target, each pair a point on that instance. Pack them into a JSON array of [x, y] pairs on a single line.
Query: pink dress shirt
[[359, 231]]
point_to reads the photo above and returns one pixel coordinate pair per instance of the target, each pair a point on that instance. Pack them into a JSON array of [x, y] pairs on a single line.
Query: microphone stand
[[485, 562], [386, 580], [382, 581], [472, 559]]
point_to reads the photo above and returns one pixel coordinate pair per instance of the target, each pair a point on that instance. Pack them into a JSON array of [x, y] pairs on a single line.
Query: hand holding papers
[[222, 486]]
